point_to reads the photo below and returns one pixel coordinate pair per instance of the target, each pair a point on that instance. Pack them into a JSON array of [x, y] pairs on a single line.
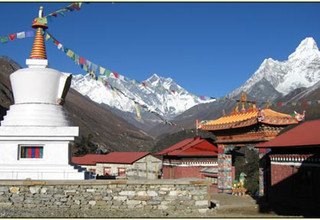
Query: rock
[[34, 189], [101, 203], [165, 189], [162, 207], [92, 202], [90, 190], [162, 192], [70, 192], [202, 203], [120, 198], [173, 193], [142, 193], [153, 202], [133, 202], [127, 193], [43, 190], [14, 190], [107, 198], [5, 204], [152, 193], [28, 201], [63, 200], [4, 189], [165, 203], [16, 199], [142, 198]]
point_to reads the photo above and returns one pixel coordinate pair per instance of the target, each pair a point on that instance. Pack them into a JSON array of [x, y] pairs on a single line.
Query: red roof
[[191, 147], [305, 134], [113, 157]]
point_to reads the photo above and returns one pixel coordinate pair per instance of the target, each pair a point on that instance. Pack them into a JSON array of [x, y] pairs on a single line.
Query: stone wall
[[167, 195]]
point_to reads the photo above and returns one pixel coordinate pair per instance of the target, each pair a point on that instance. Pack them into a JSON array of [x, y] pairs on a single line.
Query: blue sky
[[208, 48]]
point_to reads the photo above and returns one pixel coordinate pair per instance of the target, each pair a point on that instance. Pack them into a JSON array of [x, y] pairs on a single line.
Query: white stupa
[[35, 133]]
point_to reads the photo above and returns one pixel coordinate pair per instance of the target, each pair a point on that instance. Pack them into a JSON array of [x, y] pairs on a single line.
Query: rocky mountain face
[[274, 79], [104, 129], [307, 99], [156, 94]]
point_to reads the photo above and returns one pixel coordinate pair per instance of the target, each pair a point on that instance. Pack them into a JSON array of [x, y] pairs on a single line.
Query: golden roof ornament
[[243, 101], [38, 48]]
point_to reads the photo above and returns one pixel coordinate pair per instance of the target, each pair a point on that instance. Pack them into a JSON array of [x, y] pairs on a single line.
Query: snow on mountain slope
[[302, 69], [161, 95]]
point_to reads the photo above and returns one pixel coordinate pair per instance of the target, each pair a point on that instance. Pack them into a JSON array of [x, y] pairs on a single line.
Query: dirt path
[[237, 206]]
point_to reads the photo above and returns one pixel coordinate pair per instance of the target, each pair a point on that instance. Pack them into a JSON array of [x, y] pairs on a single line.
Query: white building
[[35, 133], [128, 165]]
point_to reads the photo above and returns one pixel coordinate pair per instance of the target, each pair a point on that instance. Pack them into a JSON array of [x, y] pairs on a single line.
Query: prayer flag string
[[72, 7], [18, 35]]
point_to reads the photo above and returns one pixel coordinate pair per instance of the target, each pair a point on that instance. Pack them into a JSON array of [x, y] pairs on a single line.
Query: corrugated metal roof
[[113, 157], [191, 147], [305, 134]]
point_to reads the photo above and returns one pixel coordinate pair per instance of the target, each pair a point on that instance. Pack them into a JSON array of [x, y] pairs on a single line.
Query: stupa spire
[[39, 48]]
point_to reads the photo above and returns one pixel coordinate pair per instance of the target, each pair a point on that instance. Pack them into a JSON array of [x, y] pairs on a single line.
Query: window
[[31, 152], [121, 171], [107, 171]]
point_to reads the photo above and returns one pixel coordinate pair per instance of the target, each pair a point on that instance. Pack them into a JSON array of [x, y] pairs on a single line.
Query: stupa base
[[37, 153], [41, 172]]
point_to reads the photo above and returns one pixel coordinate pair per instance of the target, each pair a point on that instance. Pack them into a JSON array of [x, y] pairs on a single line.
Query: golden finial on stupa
[[38, 48]]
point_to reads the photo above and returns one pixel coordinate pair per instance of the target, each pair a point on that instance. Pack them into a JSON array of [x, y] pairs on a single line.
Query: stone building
[[129, 165], [292, 166], [189, 159]]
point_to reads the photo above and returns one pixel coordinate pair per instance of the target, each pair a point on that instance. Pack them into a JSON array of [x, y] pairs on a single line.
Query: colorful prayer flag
[[60, 46], [88, 63], [102, 70], [30, 33], [12, 36], [21, 35], [76, 59], [4, 39], [70, 53], [47, 37], [107, 73], [116, 75]]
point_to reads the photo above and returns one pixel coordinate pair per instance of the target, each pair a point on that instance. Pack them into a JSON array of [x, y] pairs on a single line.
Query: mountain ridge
[[301, 69]]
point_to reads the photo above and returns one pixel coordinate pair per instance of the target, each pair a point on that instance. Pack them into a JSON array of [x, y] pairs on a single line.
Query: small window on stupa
[[33, 152]]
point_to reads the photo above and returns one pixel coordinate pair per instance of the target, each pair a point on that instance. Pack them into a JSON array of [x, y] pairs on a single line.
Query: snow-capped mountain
[[158, 94], [275, 78]]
